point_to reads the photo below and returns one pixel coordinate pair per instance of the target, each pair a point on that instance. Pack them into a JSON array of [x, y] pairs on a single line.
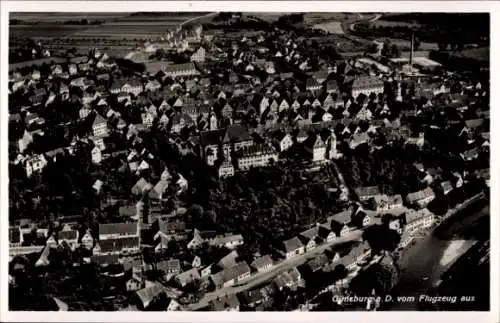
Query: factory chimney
[[411, 51]]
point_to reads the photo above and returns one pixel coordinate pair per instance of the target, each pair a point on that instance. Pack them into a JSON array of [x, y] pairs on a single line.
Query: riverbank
[[423, 263]]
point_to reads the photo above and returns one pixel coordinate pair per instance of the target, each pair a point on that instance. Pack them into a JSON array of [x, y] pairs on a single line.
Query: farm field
[[386, 23], [44, 30], [334, 27], [63, 16]]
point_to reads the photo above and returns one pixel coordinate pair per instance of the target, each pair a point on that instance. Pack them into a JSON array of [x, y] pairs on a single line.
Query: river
[[423, 264]]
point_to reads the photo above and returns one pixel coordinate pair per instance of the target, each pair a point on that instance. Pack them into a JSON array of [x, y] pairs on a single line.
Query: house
[[196, 241], [68, 235], [180, 70], [386, 203], [145, 296], [366, 84], [226, 169], [312, 85], [199, 55], [87, 240], [262, 264], [366, 193], [319, 150], [228, 260], [470, 154], [310, 238], [227, 303], [229, 241], [231, 276], [170, 267], [187, 277], [118, 230], [256, 156], [293, 247], [99, 126], [255, 299], [325, 233], [157, 192], [317, 263], [16, 237], [447, 187], [417, 220], [207, 271], [134, 283], [140, 187], [340, 223], [406, 238], [96, 155], [283, 141], [173, 305], [235, 136], [421, 198], [123, 246], [361, 219], [290, 279], [34, 164]]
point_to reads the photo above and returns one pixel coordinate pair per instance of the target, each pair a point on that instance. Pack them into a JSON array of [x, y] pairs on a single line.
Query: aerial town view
[[249, 161]]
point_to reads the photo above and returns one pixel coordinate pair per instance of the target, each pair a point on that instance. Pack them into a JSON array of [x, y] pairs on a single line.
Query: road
[[283, 266], [352, 24], [425, 258], [208, 15]]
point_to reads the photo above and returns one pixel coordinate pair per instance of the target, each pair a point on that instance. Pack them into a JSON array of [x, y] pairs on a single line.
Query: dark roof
[[118, 244], [367, 191], [318, 262], [225, 302], [105, 259], [178, 67], [366, 81], [14, 235], [146, 295], [118, 228], [236, 133], [262, 261], [256, 150], [67, 235], [213, 137]]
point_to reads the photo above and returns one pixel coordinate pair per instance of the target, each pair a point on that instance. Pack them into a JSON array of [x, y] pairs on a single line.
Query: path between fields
[[285, 265]]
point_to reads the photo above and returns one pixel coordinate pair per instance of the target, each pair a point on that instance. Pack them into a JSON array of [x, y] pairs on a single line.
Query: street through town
[[283, 266]]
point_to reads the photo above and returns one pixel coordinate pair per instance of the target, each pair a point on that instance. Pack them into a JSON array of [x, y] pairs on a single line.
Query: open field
[[334, 27], [44, 30], [386, 23], [52, 17]]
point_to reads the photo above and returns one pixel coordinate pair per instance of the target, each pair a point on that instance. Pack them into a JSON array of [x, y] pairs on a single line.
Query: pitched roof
[[118, 228], [419, 195], [231, 273], [67, 235], [292, 244], [341, 217], [318, 262], [178, 67], [367, 191], [213, 137], [116, 245], [228, 260], [146, 295], [236, 133], [262, 261], [105, 259], [188, 276], [226, 302]]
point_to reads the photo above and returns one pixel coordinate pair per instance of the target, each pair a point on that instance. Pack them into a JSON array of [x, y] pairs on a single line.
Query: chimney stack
[[411, 51]]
